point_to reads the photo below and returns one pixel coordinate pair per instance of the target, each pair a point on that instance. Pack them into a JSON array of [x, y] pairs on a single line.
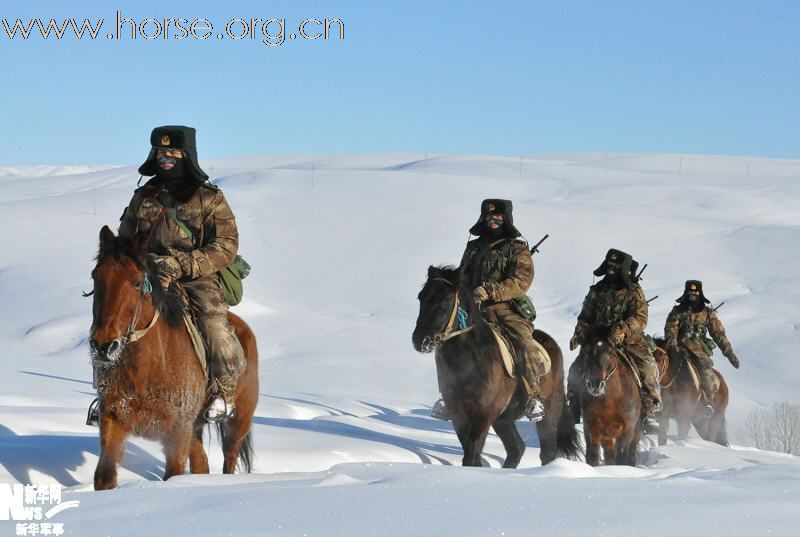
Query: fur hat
[[496, 206], [692, 285], [174, 137], [621, 259]]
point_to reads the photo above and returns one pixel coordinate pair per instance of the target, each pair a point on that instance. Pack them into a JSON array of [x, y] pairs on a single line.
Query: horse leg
[[234, 434], [663, 427], [112, 448], [721, 437], [547, 430], [610, 450], [684, 423], [198, 460], [512, 441], [592, 439], [632, 448], [472, 438], [176, 449], [236, 439]]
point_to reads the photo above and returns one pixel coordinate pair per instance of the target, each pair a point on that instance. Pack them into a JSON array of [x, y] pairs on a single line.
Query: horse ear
[[432, 272], [138, 245], [106, 237]]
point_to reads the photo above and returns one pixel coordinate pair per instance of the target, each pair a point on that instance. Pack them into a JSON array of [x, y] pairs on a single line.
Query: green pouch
[[708, 345], [524, 307], [231, 279], [651, 343]]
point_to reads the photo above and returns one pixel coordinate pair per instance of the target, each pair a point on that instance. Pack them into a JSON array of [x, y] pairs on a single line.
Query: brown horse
[[155, 385], [683, 402], [475, 386], [610, 403]]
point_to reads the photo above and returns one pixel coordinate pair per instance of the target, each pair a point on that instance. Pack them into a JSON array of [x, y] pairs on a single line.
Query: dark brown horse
[[683, 402], [475, 387], [610, 403], [156, 387]]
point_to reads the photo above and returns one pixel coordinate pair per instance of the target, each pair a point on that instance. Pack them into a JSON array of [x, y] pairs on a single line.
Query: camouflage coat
[[608, 306], [214, 237], [503, 267], [687, 331]]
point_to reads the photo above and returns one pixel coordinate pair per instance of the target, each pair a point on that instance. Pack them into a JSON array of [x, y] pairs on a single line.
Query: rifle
[[650, 300], [718, 307], [639, 276], [535, 249]]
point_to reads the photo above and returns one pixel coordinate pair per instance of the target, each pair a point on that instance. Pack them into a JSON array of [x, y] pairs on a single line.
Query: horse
[[475, 387], [682, 400], [610, 402], [155, 386]]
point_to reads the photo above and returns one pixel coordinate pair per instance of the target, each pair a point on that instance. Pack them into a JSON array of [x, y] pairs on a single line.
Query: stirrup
[[708, 410], [219, 410], [534, 410], [440, 411], [93, 415]]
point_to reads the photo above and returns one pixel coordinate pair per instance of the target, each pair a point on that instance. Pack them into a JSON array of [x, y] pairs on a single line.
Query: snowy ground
[[340, 246]]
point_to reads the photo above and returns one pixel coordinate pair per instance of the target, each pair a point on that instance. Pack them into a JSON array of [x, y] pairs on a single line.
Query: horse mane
[[659, 341], [447, 272], [170, 303]]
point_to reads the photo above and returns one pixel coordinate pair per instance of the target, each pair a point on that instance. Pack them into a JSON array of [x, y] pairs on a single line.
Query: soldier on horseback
[[189, 232], [617, 302], [686, 331], [497, 268]]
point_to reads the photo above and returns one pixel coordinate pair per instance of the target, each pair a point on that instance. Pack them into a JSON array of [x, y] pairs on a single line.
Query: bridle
[[448, 332], [134, 335], [603, 383]]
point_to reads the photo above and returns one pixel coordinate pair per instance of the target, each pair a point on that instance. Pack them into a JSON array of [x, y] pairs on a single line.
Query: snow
[[339, 247]]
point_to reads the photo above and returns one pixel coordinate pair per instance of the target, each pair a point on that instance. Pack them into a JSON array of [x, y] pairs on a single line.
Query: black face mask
[[177, 170]]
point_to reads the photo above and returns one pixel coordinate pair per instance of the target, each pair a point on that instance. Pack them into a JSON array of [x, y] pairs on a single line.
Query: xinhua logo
[[32, 506]]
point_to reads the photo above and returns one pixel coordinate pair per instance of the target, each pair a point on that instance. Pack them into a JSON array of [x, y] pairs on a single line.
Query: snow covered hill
[[340, 246]]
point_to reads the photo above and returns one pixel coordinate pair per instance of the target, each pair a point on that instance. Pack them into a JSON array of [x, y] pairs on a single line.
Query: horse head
[[437, 307], [124, 297], [600, 361]]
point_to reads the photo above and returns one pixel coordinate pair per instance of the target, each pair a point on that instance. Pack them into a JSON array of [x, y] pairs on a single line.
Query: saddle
[[694, 374], [510, 356]]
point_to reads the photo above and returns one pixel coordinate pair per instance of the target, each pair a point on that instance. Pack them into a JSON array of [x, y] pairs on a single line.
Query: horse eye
[[138, 285]]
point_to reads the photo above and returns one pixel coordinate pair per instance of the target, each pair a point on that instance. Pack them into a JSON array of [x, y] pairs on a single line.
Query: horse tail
[[246, 454], [244, 462], [568, 443]]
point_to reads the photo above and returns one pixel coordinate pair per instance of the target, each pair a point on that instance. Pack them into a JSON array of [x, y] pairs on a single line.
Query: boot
[[93, 416], [534, 409], [222, 406], [708, 406], [440, 411], [649, 423], [219, 410]]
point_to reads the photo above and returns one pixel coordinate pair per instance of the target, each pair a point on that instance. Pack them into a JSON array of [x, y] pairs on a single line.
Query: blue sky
[[504, 77]]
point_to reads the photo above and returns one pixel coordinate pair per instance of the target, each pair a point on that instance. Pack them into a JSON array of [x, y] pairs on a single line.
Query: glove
[[166, 267], [733, 359], [617, 335], [480, 295], [574, 343]]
